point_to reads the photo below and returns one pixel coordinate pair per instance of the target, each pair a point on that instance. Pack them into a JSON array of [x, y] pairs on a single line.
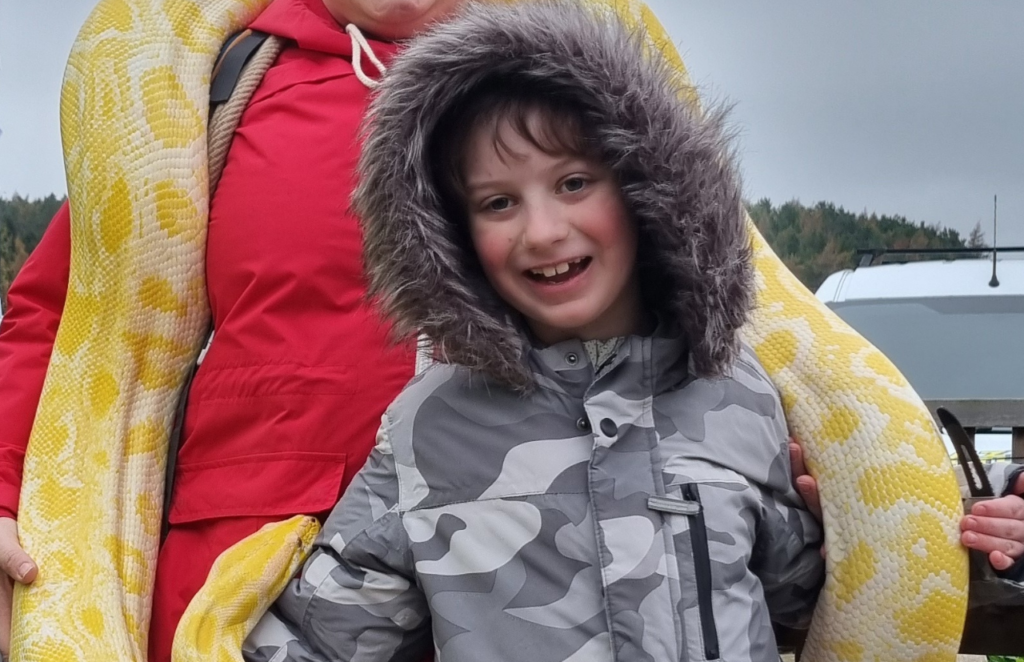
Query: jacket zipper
[[702, 569]]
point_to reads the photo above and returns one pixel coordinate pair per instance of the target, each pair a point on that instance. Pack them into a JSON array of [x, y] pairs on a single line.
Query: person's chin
[[402, 15], [556, 328]]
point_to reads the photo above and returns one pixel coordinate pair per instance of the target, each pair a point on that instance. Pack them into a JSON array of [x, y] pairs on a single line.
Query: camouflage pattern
[[638, 514]]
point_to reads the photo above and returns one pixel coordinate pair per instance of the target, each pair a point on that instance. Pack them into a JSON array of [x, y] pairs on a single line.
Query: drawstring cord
[[359, 44]]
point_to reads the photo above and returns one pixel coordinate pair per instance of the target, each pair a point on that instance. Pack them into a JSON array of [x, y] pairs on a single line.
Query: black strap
[[174, 442], [235, 53]]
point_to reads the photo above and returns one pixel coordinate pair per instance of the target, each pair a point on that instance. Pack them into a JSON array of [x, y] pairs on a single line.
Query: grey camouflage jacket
[[521, 503], [639, 514]]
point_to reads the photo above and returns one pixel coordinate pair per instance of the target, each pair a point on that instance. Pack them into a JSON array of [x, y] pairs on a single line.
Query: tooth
[[562, 268], [549, 272]]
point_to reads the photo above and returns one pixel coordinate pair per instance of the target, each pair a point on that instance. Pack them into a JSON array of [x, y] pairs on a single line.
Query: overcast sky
[[913, 107]]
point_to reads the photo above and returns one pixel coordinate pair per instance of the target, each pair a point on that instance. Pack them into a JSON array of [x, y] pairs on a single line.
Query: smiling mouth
[[559, 273]]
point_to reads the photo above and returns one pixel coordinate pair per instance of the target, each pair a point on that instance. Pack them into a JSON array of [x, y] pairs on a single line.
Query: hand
[[15, 565], [996, 527], [803, 481]]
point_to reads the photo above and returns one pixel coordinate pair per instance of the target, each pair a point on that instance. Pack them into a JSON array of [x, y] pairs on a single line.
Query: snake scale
[[133, 116]]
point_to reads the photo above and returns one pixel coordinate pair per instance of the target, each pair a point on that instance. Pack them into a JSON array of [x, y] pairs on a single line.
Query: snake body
[[896, 584], [133, 122], [133, 114]]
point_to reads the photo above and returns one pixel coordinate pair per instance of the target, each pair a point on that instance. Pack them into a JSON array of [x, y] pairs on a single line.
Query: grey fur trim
[[675, 166]]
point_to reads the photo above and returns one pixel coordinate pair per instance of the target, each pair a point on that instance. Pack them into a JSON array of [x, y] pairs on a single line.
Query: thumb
[[14, 562], [1000, 561]]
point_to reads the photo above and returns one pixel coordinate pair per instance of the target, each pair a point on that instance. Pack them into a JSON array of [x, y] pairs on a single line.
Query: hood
[[673, 163]]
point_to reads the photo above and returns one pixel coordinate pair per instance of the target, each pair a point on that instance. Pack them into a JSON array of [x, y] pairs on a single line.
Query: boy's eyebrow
[[486, 183], [568, 159]]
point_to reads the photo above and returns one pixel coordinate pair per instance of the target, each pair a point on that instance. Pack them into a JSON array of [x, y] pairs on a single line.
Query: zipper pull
[[675, 506]]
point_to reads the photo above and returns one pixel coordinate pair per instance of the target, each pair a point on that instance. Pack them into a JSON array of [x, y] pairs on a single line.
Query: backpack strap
[[239, 68], [233, 56], [245, 59]]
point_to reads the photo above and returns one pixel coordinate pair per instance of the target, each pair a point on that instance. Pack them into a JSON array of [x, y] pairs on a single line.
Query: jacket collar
[[656, 363]]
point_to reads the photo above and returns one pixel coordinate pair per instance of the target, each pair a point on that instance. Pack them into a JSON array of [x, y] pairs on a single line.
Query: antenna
[[995, 244]]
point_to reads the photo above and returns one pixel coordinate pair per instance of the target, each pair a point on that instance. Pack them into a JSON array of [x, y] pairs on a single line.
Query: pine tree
[[977, 237]]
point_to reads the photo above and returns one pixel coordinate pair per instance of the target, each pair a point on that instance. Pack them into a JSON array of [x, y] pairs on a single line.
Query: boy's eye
[[574, 184], [498, 204]]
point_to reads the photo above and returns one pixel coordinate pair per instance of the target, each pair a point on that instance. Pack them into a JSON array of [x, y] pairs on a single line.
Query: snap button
[[583, 424], [609, 428], [571, 358]]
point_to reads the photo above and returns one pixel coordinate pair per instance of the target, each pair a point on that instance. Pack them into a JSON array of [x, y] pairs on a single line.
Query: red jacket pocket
[[303, 483]]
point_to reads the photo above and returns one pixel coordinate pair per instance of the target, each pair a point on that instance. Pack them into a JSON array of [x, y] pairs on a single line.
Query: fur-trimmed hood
[[673, 163]]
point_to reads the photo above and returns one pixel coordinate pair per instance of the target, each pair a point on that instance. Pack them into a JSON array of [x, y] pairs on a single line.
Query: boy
[[595, 469]]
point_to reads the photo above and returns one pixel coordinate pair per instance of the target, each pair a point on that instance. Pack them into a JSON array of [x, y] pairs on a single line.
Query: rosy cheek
[[491, 248]]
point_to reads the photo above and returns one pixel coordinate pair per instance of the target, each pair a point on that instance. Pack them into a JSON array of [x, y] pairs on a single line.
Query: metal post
[[1017, 449], [995, 244]]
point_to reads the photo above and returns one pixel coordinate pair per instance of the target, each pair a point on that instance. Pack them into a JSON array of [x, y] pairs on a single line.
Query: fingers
[[1000, 561], [14, 562], [1007, 507], [802, 481], [6, 593], [1002, 538], [808, 490], [994, 546], [796, 458]]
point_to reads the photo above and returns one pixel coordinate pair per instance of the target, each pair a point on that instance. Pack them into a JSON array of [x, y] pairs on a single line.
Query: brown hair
[[562, 130]]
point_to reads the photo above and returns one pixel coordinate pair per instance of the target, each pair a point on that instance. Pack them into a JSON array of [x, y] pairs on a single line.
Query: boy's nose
[[545, 224]]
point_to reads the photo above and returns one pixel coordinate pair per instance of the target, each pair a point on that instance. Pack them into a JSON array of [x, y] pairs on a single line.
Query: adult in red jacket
[[284, 408]]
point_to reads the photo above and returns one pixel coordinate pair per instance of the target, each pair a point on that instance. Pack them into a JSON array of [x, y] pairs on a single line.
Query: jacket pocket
[[265, 484], [714, 551]]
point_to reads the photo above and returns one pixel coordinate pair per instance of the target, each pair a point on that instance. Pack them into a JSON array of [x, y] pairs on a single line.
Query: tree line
[[813, 241], [22, 223], [819, 240]]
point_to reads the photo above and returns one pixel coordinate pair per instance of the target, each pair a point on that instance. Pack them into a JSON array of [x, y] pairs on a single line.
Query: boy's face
[[391, 19], [553, 237]]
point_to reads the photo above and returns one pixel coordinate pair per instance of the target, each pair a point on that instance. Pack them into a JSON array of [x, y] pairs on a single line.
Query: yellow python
[[133, 115]]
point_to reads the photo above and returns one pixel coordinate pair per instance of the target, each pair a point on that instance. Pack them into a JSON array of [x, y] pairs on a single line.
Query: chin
[[392, 19], [400, 11], [563, 329]]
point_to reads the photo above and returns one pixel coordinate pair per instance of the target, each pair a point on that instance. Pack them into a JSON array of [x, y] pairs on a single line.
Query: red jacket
[[284, 408]]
